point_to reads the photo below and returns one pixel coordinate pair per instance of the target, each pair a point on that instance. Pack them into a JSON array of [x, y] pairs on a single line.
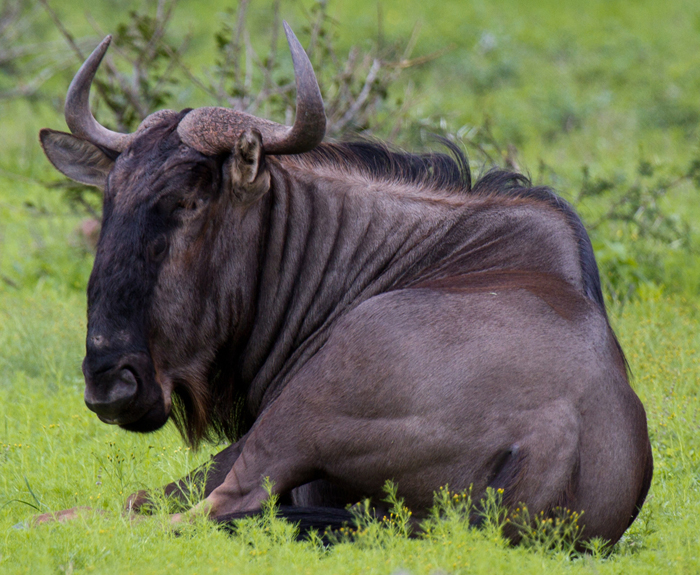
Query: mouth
[[158, 413], [126, 393], [107, 420], [155, 418]]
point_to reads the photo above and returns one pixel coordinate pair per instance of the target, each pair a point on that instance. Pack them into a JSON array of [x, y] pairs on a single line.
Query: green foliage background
[[598, 100]]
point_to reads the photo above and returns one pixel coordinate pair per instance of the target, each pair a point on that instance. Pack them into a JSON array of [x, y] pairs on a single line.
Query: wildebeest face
[[153, 306], [179, 194]]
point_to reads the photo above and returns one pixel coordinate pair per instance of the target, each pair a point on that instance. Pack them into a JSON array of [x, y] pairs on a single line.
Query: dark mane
[[450, 173]]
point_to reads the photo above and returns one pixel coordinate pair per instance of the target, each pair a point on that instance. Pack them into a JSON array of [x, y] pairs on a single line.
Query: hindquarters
[[588, 452], [615, 459], [494, 387]]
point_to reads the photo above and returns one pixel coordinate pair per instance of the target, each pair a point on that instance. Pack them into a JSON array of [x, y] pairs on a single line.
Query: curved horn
[[216, 130], [310, 122], [78, 115]]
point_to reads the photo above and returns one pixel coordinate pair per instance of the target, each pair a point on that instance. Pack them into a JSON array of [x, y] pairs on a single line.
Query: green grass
[[56, 455], [604, 86]]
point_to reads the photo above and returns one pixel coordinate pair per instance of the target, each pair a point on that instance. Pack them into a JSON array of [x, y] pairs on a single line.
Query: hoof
[[138, 502], [59, 516]]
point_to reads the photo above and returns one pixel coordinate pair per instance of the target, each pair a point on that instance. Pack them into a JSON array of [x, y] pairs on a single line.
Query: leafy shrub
[[356, 85], [633, 229]]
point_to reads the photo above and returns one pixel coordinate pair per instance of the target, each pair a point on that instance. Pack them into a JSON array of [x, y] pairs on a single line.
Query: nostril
[[109, 394], [127, 376]]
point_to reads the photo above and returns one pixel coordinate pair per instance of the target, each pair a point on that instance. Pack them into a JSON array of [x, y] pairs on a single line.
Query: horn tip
[[291, 36], [102, 47]]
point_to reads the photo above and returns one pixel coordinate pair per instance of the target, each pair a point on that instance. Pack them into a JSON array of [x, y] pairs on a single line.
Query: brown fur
[[556, 293]]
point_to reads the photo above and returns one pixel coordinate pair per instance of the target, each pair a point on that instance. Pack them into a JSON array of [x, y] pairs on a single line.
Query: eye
[[175, 205], [168, 205], [192, 204], [158, 249]]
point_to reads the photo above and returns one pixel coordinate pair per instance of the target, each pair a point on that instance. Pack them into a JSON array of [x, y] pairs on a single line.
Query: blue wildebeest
[[345, 314]]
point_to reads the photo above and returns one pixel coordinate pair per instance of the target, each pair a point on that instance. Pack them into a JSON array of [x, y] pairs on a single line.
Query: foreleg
[[206, 477]]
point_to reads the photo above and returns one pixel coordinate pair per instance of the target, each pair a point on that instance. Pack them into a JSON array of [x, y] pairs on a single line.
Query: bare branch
[[250, 57], [63, 30], [164, 12], [31, 86], [411, 44], [177, 58], [272, 56], [410, 63], [233, 55], [359, 102], [316, 28]]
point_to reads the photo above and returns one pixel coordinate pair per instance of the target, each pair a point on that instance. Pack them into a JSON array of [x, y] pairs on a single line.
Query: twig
[[128, 91], [196, 81], [63, 30], [12, 284], [87, 207], [162, 21], [233, 54], [272, 56], [380, 26], [407, 103], [316, 28], [10, 13], [175, 60], [406, 63], [31, 87], [364, 94], [115, 75], [250, 56], [15, 52], [411, 44]]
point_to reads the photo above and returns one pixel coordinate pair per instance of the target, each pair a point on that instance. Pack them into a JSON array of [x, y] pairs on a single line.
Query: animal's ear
[[76, 158], [245, 172]]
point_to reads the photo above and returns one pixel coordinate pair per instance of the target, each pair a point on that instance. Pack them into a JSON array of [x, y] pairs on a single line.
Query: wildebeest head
[[169, 190]]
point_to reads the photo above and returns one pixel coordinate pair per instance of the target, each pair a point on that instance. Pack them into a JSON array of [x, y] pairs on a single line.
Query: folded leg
[[198, 483]]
